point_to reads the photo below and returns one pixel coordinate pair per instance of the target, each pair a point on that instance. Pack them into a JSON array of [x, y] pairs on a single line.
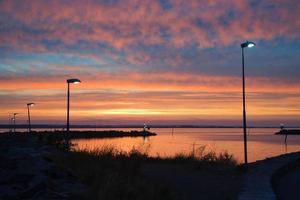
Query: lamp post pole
[[68, 108], [29, 124], [246, 44], [244, 110], [14, 119], [29, 121], [69, 81], [10, 123]]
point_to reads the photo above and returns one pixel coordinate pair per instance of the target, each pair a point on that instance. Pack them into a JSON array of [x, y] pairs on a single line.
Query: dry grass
[[114, 174]]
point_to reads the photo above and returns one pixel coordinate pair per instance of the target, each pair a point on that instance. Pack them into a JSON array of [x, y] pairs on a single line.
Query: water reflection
[[262, 142]]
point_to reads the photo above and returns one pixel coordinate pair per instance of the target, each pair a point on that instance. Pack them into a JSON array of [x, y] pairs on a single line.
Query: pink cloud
[[131, 22]]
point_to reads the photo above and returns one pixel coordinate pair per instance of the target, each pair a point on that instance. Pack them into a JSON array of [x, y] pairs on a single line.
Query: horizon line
[[2, 126]]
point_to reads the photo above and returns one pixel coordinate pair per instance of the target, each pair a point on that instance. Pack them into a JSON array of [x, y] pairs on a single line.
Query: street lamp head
[[73, 80], [30, 104], [247, 44], [15, 114]]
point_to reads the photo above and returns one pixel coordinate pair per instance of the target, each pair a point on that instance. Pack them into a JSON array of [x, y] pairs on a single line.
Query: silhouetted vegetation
[[111, 173]]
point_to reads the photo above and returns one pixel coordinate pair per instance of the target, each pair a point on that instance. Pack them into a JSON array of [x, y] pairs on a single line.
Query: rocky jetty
[[288, 132], [27, 170], [93, 134]]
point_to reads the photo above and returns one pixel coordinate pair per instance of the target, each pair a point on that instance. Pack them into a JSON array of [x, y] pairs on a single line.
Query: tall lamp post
[[69, 81], [14, 119], [28, 111], [246, 44], [10, 119]]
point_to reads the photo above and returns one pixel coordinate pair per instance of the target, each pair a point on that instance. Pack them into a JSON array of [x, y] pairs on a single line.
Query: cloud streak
[[150, 81], [94, 105]]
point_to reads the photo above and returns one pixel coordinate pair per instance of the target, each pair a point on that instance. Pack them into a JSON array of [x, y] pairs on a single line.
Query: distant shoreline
[[62, 126]]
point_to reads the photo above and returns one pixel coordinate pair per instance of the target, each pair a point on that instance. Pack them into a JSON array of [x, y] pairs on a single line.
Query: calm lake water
[[262, 142]]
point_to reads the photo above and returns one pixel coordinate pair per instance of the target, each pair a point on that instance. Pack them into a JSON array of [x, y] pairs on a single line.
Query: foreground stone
[[28, 172]]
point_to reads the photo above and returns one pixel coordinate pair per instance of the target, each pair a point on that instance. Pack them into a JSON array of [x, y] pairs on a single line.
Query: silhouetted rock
[[28, 172]]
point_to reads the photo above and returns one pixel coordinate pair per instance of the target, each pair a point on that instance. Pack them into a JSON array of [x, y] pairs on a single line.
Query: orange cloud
[[131, 80], [167, 96]]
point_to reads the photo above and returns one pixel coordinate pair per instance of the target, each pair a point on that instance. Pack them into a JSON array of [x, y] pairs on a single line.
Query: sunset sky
[[153, 61]]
